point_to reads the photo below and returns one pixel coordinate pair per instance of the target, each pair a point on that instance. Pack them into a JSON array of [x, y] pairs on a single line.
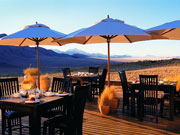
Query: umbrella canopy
[[107, 30], [38, 34], [169, 30], [2, 35]]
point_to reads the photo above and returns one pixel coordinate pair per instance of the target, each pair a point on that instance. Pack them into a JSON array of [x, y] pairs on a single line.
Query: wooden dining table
[[34, 110], [84, 80], [166, 88]]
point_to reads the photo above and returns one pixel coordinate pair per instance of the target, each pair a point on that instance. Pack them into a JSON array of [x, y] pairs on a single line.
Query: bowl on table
[[161, 82], [48, 94], [32, 96], [16, 95], [133, 82], [24, 93]]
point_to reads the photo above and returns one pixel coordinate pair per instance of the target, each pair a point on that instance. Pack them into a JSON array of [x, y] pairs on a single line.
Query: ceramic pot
[[104, 109], [114, 105], [44, 84]]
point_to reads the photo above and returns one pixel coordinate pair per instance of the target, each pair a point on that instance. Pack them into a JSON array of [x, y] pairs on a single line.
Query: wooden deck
[[121, 124]]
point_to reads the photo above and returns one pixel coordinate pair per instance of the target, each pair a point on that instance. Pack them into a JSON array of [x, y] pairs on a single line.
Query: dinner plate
[[48, 94], [57, 94], [173, 81], [32, 102]]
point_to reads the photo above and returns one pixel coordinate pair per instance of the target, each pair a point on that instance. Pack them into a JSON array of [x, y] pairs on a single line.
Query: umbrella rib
[[167, 31], [87, 40], [127, 38], [57, 42], [41, 39], [108, 37], [36, 39], [22, 42], [104, 37], [32, 39], [113, 36]]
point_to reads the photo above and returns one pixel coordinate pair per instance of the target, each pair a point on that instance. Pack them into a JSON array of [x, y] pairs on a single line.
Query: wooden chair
[[166, 98], [66, 72], [149, 96], [94, 70], [98, 87], [102, 81], [12, 118], [126, 90], [177, 104], [63, 84], [71, 124]]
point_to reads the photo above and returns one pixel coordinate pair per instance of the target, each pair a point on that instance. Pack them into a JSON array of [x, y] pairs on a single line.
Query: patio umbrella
[[107, 30], [169, 30], [38, 34], [2, 35]]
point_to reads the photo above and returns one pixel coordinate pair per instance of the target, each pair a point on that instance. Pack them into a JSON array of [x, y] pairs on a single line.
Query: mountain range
[[99, 55], [13, 60]]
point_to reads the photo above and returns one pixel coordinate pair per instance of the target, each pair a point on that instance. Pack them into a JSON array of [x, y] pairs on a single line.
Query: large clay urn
[[114, 104], [45, 84], [104, 109]]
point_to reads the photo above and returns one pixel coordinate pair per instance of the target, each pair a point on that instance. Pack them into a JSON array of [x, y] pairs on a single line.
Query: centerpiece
[[29, 84], [30, 80], [44, 82]]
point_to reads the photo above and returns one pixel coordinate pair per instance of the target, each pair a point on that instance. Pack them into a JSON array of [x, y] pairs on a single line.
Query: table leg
[[133, 102], [171, 112], [35, 123], [3, 121], [90, 95]]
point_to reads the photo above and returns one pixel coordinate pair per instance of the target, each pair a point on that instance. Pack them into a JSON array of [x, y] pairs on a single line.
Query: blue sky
[[69, 15]]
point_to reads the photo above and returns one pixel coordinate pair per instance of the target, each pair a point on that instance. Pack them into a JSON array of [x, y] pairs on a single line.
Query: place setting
[[167, 82], [59, 93], [32, 100], [29, 96]]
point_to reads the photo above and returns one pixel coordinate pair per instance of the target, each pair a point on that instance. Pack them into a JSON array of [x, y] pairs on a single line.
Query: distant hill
[[99, 55], [13, 60]]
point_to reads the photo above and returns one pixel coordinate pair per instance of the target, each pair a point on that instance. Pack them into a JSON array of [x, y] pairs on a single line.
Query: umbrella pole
[[108, 41], [37, 43]]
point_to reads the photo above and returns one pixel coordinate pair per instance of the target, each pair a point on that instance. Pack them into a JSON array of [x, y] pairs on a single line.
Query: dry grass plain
[[165, 69]]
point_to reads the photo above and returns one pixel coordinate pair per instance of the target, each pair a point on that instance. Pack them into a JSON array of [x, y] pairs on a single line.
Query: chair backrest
[[124, 82], [8, 86], [149, 93], [149, 85], [102, 80], [79, 100], [63, 84], [66, 72], [94, 70]]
